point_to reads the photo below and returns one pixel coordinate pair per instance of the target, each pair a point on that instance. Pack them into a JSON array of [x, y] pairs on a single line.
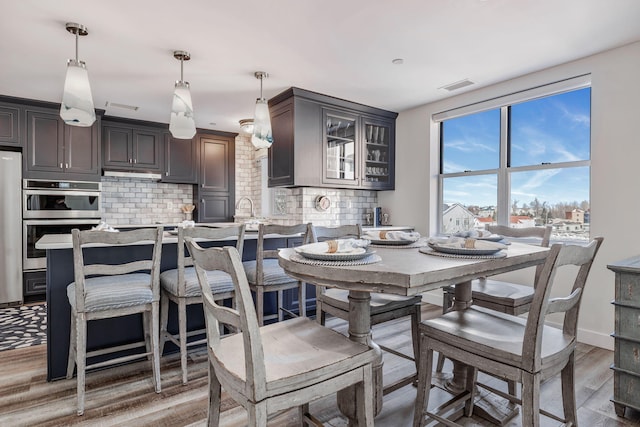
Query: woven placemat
[[417, 244], [363, 261], [429, 251]]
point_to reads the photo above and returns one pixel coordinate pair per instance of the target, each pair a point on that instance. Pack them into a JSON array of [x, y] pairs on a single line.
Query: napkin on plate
[[103, 226], [342, 246], [411, 236], [475, 234]]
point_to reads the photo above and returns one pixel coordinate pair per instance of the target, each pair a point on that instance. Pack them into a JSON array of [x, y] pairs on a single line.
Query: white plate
[[485, 248], [392, 242], [348, 256], [492, 238]]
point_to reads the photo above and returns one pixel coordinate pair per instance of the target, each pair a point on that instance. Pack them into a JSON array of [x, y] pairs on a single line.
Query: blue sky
[[547, 130]]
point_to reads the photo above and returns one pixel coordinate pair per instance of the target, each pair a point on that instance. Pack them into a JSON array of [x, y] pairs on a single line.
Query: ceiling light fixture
[[182, 124], [77, 103], [246, 126], [262, 137]]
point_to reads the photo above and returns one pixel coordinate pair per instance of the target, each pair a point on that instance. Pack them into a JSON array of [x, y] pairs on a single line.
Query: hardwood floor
[[124, 395]]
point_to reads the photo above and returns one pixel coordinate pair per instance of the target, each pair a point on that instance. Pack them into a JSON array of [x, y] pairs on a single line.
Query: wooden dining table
[[403, 271]]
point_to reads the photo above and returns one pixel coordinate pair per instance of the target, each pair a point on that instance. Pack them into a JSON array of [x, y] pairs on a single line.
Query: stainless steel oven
[[55, 207]]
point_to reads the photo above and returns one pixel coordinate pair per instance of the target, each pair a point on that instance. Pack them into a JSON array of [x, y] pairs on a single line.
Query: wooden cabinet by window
[[10, 125], [322, 141], [215, 191], [129, 147], [181, 160], [57, 150]]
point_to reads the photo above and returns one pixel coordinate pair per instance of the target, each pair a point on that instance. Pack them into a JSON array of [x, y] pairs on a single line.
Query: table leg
[[360, 331]]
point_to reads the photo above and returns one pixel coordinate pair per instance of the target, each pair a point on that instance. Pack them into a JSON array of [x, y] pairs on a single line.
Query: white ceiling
[[342, 48]]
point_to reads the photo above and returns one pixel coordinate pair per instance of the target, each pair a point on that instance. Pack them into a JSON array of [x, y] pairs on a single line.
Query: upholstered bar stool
[[180, 285], [102, 291]]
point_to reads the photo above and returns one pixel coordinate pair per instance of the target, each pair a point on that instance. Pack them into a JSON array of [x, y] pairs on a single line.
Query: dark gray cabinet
[[180, 160], [626, 359], [10, 125], [322, 141], [130, 147], [57, 150], [215, 191]]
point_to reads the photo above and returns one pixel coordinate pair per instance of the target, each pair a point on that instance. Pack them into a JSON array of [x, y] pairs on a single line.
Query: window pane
[[471, 142], [469, 202], [553, 196], [552, 129]]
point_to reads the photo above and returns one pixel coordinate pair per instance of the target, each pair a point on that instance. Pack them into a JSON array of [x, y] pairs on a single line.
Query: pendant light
[[182, 125], [77, 103], [262, 137], [246, 126]]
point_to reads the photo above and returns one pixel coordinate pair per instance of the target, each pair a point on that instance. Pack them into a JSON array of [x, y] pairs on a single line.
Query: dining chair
[[517, 349], [383, 307], [104, 290], [265, 274], [268, 369], [180, 285]]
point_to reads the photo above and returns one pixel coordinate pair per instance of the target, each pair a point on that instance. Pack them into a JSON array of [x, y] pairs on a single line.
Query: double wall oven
[[53, 207]]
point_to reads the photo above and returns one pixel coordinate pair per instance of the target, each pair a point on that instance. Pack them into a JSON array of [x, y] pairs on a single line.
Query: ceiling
[[342, 48]]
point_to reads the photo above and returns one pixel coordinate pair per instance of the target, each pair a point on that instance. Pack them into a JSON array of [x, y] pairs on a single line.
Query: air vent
[[457, 85], [123, 106]]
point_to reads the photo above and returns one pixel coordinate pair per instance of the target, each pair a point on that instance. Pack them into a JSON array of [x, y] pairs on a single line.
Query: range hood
[[137, 175]]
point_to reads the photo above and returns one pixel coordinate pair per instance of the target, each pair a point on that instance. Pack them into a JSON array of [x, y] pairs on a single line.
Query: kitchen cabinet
[[180, 160], [215, 191], [59, 151], [129, 146], [626, 362], [355, 142], [10, 125]]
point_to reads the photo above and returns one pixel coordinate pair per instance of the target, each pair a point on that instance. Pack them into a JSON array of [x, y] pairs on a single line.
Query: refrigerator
[[10, 228]]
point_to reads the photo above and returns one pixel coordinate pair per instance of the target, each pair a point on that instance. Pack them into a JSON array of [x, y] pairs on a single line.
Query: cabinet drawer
[[627, 321], [628, 289], [626, 388], [627, 355]]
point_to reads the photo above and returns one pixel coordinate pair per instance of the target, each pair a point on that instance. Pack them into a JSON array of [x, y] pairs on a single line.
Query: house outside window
[[521, 160]]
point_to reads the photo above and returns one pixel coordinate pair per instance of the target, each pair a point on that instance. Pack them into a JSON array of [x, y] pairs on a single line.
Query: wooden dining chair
[[265, 274], [283, 365], [180, 285], [383, 307], [105, 290], [517, 349]]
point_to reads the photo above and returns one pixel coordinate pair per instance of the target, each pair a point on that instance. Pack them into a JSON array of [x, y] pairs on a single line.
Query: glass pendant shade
[[262, 137], [182, 124], [77, 103]]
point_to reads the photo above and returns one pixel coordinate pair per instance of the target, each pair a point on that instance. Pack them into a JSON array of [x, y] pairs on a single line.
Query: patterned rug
[[23, 326]]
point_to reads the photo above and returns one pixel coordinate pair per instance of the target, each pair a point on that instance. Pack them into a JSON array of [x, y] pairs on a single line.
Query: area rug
[[23, 326]]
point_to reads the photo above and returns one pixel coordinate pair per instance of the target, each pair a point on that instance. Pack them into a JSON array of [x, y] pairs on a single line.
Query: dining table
[[403, 270]]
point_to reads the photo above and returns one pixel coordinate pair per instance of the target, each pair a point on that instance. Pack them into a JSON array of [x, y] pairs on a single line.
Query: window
[[520, 160]]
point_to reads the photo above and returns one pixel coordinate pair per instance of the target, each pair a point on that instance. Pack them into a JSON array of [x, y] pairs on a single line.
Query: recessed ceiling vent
[[123, 106], [457, 85]]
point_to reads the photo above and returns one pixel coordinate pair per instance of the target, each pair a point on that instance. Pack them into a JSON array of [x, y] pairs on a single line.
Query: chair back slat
[[279, 230], [244, 317], [559, 256], [321, 233]]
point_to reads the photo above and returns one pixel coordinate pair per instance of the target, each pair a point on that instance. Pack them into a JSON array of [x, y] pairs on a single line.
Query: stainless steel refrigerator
[[10, 228]]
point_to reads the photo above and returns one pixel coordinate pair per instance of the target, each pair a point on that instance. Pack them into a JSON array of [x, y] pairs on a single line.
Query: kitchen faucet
[[253, 214]]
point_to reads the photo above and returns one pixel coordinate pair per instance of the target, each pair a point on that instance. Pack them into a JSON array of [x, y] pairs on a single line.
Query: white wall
[[615, 160]]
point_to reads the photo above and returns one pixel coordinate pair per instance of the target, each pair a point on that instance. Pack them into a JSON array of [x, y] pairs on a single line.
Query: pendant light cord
[[76, 33]]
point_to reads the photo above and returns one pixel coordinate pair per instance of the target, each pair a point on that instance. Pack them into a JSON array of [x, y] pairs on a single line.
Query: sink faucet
[[253, 214]]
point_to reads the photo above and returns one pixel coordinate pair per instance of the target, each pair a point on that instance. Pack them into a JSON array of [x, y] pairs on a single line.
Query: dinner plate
[[488, 249], [491, 238], [337, 256], [392, 242]]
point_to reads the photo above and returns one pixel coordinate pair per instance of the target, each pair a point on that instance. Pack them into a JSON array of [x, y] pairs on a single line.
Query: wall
[[615, 150]]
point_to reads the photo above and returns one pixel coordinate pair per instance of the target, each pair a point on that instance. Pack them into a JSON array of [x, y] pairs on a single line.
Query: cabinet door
[[45, 135], [81, 149], [340, 156], [281, 153], [10, 125], [378, 153], [214, 207], [181, 160], [214, 170], [117, 146], [146, 150]]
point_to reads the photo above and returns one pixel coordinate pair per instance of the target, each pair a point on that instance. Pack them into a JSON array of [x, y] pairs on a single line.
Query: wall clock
[[323, 203]]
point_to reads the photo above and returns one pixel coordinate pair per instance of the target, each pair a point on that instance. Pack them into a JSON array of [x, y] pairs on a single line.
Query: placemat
[[417, 244], [373, 258], [429, 251]]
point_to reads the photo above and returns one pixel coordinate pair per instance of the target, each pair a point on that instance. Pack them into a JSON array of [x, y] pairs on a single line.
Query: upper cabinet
[[180, 160], [59, 151], [131, 147], [10, 125], [322, 141]]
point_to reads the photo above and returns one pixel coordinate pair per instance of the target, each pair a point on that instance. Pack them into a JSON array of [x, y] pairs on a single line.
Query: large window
[[521, 161]]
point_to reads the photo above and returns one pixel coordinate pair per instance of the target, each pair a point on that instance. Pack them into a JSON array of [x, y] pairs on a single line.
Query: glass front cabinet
[[340, 154], [378, 153]]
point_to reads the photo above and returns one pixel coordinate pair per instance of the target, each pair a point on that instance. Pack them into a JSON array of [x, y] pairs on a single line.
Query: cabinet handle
[[166, 173], [66, 165], [135, 160], [130, 160], [202, 185], [60, 165], [202, 200]]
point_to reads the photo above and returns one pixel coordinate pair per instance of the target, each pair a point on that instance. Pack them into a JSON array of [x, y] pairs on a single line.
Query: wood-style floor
[[124, 395]]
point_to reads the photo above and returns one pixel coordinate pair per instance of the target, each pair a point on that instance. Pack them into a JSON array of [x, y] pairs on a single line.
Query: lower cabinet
[[34, 285]]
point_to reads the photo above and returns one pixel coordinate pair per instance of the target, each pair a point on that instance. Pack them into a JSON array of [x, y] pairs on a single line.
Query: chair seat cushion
[[273, 273], [380, 303], [219, 282], [502, 293], [297, 351], [111, 292], [492, 334]]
